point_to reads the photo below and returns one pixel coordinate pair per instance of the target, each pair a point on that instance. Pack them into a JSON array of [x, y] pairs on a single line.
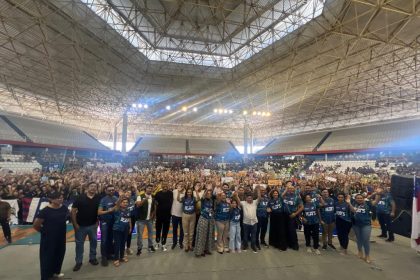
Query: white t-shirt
[[250, 212], [149, 204], [176, 209]]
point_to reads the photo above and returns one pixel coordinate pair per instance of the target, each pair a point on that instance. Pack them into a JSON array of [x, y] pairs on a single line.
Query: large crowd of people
[[239, 205]]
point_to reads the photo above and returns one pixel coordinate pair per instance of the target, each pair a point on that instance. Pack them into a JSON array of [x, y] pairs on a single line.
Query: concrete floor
[[391, 261]]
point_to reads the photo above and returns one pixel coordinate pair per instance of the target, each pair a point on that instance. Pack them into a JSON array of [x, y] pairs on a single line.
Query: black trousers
[[162, 228], [6, 229], [385, 221], [311, 231], [197, 216], [343, 229], [130, 233], [51, 254], [291, 224], [261, 229], [278, 231]]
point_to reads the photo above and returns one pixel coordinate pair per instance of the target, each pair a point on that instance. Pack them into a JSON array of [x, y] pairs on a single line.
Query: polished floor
[[391, 261]]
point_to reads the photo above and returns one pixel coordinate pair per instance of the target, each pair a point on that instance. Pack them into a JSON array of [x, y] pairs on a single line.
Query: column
[[124, 133], [115, 138], [245, 141]]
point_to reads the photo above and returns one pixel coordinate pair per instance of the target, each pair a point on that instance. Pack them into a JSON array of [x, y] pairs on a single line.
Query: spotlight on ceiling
[[230, 111], [254, 113], [145, 106], [263, 114], [225, 111], [259, 113], [168, 107], [215, 111], [195, 109], [184, 108], [268, 114], [220, 111], [134, 105], [245, 112]]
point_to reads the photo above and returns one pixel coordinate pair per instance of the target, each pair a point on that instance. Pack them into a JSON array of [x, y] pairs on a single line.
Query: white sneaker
[[317, 252], [157, 245], [309, 250], [164, 249], [61, 275]]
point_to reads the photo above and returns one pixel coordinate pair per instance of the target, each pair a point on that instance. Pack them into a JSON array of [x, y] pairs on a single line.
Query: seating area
[[342, 166], [211, 147], [17, 164], [161, 145], [8, 133], [293, 144], [42, 132], [393, 135]]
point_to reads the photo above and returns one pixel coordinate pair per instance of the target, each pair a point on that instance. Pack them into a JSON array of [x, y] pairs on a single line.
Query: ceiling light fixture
[[168, 107], [195, 109], [245, 112], [184, 108]]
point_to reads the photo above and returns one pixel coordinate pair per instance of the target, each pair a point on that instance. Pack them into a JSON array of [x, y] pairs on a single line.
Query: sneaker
[[382, 236], [157, 245], [104, 262], [309, 250], [173, 246], [60, 275], [324, 247], [317, 252], [181, 246], [264, 244], [332, 246], [254, 251], [9, 240], [129, 251], [139, 252], [152, 249], [94, 262], [164, 249], [77, 267], [245, 249]]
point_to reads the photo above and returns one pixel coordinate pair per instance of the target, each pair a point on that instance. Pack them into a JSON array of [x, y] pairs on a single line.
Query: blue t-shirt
[[262, 207], [327, 211], [310, 213], [107, 203], [384, 204], [121, 220], [131, 207], [342, 211], [235, 215], [206, 208], [291, 202], [276, 205], [188, 205], [362, 216], [222, 211]]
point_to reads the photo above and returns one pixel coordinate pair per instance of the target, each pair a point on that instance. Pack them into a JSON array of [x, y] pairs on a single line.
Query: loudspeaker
[[402, 193], [402, 187], [402, 223]]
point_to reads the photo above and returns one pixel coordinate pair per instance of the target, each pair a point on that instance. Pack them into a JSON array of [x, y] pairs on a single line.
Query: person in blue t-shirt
[[362, 224], [278, 222], [385, 211], [328, 217], [221, 217], [188, 216], [105, 213], [131, 208], [311, 218], [235, 228], [293, 206], [262, 217], [342, 221], [204, 242], [121, 227]]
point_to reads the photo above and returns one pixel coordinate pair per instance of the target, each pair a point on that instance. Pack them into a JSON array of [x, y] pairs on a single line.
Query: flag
[[15, 209], [415, 226]]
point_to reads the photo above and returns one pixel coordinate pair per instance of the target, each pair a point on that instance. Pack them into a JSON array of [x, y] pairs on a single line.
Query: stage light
[[134, 105], [139, 105], [145, 106], [263, 114], [168, 107], [215, 111], [225, 111], [195, 109], [259, 113], [268, 114], [220, 111], [245, 113], [230, 111], [184, 108], [254, 113]]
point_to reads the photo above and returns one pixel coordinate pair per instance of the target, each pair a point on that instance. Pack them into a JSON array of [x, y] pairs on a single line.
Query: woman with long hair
[[222, 216], [342, 221], [188, 216], [278, 233], [204, 242]]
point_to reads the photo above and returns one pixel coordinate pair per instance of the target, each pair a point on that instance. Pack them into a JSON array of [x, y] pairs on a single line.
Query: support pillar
[[124, 134], [115, 138], [246, 141]]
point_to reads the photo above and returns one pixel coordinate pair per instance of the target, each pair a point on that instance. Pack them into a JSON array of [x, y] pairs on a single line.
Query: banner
[[415, 226], [227, 179], [32, 206], [15, 209], [274, 182]]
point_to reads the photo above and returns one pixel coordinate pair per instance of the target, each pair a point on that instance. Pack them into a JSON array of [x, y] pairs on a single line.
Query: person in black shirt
[[164, 200], [51, 222], [84, 216]]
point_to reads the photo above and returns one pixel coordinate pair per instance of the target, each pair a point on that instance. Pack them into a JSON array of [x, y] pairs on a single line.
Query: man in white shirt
[[145, 213], [250, 220], [176, 212]]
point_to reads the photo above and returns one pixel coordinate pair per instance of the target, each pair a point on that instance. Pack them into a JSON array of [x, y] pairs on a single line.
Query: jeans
[[80, 237], [162, 228], [140, 229], [385, 221], [250, 230], [106, 239], [261, 229], [311, 231], [327, 231], [235, 236], [6, 229], [120, 237], [343, 230], [363, 237], [177, 221]]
